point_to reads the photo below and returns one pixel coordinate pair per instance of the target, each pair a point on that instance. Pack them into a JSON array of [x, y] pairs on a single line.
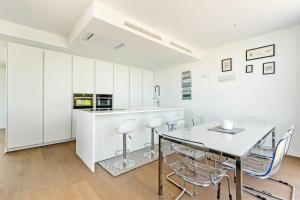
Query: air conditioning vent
[[141, 30], [87, 36], [120, 46], [181, 47]]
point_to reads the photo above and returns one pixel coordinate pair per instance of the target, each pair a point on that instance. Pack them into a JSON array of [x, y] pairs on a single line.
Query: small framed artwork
[[260, 52], [249, 68], [268, 68], [226, 65]]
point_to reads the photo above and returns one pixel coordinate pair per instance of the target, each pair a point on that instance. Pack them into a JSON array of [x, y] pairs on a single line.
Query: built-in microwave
[[83, 101], [104, 101]]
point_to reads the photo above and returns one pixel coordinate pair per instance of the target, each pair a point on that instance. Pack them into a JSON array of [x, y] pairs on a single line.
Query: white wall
[[2, 84], [274, 97]]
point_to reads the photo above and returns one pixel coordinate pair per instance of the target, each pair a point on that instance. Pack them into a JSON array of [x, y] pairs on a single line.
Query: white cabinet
[[2, 97], [148, 88], [57, 96], [83, 75], [121, 87], [104, 78], [25, 96], [136, 87]]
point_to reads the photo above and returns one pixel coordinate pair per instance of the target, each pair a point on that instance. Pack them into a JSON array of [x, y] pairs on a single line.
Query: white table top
[[132, 110], [234, 144]]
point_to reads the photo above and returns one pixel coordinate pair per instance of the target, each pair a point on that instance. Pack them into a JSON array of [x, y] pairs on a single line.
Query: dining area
[[221, 154]]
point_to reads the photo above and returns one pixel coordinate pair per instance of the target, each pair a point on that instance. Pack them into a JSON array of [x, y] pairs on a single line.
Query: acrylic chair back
[[279, 153], [289, 134]]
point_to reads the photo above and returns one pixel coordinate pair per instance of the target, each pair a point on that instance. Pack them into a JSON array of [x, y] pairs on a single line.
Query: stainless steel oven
[[83, 101], [104, 101]]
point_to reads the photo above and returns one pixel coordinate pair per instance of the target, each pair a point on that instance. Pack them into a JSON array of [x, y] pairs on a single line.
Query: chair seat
[[187, 151], [197, 174], [262, 151], [252, 166]]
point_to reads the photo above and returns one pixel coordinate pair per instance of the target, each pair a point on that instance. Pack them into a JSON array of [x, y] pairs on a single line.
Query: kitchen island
[[97, 137]]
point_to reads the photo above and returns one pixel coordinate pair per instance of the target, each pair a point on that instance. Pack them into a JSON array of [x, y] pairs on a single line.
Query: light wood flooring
[[56, 173]]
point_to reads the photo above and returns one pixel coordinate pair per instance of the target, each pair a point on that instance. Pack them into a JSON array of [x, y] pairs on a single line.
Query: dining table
[[231, 145]]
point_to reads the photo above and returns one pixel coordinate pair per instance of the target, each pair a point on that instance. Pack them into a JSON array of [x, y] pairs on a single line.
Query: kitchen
[[109, 100]]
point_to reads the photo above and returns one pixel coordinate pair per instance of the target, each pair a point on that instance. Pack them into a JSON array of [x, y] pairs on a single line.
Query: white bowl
[[226, 124]]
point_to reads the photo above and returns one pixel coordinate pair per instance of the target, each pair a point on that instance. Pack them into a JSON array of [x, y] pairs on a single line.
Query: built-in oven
[[104, 101], [83, 101]]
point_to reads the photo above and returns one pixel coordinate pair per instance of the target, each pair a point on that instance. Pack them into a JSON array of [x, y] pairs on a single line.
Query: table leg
[[239, 178], [273, 139], [160, 167]]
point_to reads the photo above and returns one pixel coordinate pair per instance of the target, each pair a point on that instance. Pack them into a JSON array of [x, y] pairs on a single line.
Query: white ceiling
[[196, 24], [206, 24], [55, 16]]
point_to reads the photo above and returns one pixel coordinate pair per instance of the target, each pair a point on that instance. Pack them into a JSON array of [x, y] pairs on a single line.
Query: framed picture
[[260, 52], [226, 65], [268, 68], [186, 85], [249, 68]]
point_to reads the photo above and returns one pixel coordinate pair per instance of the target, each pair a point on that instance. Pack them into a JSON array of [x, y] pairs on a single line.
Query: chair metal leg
[[287, 184], [219, 191], [192, 194], [247, 188], [229, 187]]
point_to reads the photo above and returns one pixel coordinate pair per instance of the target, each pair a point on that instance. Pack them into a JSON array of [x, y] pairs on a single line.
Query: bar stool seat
[[127, 126], [155, 123]]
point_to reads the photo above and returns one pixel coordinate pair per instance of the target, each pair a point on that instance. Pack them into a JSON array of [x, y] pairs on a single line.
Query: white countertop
[[130, 111]]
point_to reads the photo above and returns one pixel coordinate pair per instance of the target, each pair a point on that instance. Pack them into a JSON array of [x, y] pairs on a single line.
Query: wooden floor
[[55, 172]]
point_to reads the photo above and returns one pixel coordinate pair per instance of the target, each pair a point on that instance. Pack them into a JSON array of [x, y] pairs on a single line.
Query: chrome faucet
[[158, 88], [157, 95]]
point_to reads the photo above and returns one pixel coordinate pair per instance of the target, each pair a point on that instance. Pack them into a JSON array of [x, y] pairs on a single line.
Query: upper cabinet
[[83, 75], [104, 78], [25, 96], [136, 87], [148, 88], [57, 96], [121, 87]]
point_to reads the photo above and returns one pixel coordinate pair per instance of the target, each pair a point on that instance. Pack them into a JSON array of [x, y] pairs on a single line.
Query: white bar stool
[[127, 126], [155, 123]]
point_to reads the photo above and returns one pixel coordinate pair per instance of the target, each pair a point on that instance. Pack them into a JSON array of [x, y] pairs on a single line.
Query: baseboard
[[38, 145]]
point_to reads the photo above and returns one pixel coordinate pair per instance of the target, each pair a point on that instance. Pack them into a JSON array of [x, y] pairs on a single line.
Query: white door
[[83, 75], [121, 87], [104, 78], [136, 87], [25, 96], [148, 88], [57, 96]]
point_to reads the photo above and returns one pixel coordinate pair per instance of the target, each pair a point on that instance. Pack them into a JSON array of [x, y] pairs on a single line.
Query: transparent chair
[[263, 167], [197, 120], [193, 171], [255, 121]]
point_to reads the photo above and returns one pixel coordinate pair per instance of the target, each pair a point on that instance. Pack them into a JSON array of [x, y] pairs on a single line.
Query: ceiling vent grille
[[141, 30], [180, 47], [87, 36], [120, 46]]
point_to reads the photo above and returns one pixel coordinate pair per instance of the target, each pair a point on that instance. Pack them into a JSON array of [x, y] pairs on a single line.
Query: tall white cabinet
[[104, 77], [121, 87], [136, 87], [148, 88], [25, 96], [57, 96], [83, 75]]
